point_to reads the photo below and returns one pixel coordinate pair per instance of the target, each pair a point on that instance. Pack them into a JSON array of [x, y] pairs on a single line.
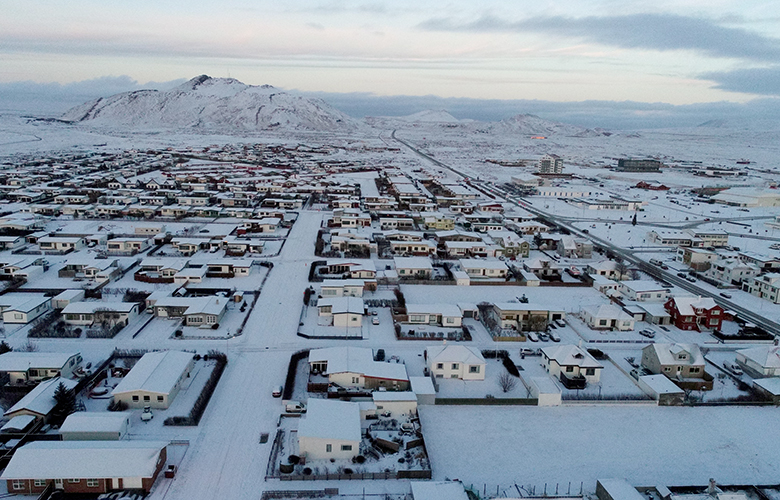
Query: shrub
[[359, 459], [307, 471], [215, 326], [293, 459]]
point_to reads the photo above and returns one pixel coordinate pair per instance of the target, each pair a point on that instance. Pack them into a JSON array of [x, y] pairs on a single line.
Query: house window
[[160, 398], [569, 369], [93, 483], [147, 398], [74, 481], [135, 398], [590, 371], [346, 447], [328, 448], [667, 368], [455, 366], [17, 484], [450, 320], [602, 322], [454, 375], [439, 366], [474, 369], [39, 483]]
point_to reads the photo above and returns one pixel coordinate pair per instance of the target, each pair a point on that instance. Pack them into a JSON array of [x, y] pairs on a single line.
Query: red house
[[695, 313]]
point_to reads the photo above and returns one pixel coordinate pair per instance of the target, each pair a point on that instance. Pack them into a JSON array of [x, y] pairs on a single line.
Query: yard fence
[[364, 476], [488, 401]]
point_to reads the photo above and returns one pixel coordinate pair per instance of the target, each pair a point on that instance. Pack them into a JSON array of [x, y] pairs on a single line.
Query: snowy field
[[647, 444]]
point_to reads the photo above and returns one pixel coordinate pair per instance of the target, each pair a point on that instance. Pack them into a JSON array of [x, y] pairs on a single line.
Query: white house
[[573, 366], [330, 429], [608, 317], [346, 311], [95, 426], [40, 401], [477, 268], [413, 267], [86, 313], [761, 361], [448, 315], [395, 402], [455, 361], [61, 300], [60, 245], [342, 288], [355, 367], [155, 379], [644, 290], [29, 367], [25, 308]]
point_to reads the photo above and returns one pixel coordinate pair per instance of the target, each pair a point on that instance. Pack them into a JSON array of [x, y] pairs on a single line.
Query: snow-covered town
[[414, 308]]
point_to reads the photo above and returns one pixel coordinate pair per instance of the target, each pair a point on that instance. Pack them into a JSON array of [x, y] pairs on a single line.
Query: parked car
[[560, 323], [647, 333], [295, 407], [725, 295], [374, 321], [527, 351], [543, 336], [147, 414], [691, 279], [732, 367], [532, 337], [681, 275], [277, 392], [554, 337]]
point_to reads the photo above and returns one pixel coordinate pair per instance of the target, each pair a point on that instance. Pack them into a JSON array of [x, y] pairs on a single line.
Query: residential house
[[66, 297], [60, 245], [698, 259], [126, 246], [455, 361], [21, 308], [524, 316], [767, 287], [154, 380], [25, 368], [413, 267], [330, 430], [202, 312], [40, 402], [85, 468], [95, 426], [346, 311], [354, 367], [760, 361], [573, 366], [674, 360], [763, 262], [574, 248], [447, 315], [644, 290], [695, 313], [89, 313], [731, 271], [342, 288], [543, 268], [237, 268], [608, 317], [607, 268], [477, 268]]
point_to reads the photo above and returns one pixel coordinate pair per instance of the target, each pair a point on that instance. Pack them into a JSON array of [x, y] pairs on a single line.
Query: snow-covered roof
[[342, 305], [18, 424], [155, 372], [545, 385], [570, 355], [22, 361], [482, 264], [439, 490], [84, 459], [346, 359], [41, 399], [668, 354], [661, 384], [328, 419], [422, 385], [94, 421], [607, 311], [639, 286], [445, 310], [412, 263], [91, 307], [686, 305], [620, 489], [769, 384], [765, 356], [455, 353], [394, 396], [342, 283], [69, 294]]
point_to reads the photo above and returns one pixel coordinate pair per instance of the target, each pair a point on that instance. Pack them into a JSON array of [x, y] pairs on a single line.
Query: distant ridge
[[212, 104]]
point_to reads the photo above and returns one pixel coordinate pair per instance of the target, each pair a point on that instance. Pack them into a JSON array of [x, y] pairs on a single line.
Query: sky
[[665, 53]]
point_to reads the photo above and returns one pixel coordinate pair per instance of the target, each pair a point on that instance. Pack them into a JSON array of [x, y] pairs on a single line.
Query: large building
[[550, 164], [629, 165]]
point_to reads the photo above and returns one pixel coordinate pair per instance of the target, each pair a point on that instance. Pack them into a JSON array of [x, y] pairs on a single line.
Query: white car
[[147, 414], [375, 321], [732, 367]]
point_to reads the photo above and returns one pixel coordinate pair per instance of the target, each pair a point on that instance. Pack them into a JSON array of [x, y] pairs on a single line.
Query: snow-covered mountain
[[529, 125], [212, 104]]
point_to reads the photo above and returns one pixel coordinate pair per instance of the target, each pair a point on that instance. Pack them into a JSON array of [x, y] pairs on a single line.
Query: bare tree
[[536, 324], [30, 346], [507, 382], [621, 268]]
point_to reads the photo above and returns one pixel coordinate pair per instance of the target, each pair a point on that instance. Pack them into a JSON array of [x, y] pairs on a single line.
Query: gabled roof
[[454, 352], [155, 372], [84, 459], [570, 355], [341, 305], [357, 360], [686, 305], [94, 421], [41, 399], [667, 354], [22, 361], [765, 356]]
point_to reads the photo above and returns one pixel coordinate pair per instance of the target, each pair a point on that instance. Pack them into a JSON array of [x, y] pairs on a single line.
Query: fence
[[387, 475], [488, 401]]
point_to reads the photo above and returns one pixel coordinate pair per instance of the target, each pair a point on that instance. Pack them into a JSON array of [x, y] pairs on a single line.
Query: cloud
[[662, 32], [759, 81]]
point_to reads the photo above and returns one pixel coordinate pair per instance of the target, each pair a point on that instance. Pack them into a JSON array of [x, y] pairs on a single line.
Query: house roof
[[357, 360], [482, 264], [21, 361], [328, 419], [155, 372], [644, 286], [394, 396], [91, 307], [94, 421], [342, 305], [607, 311], [412, 262], [765, 356], [440, 490], [667, 354], [686, 305], [445, 310], [570, 355], [454, 352], [41, 399], [84, 459]]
